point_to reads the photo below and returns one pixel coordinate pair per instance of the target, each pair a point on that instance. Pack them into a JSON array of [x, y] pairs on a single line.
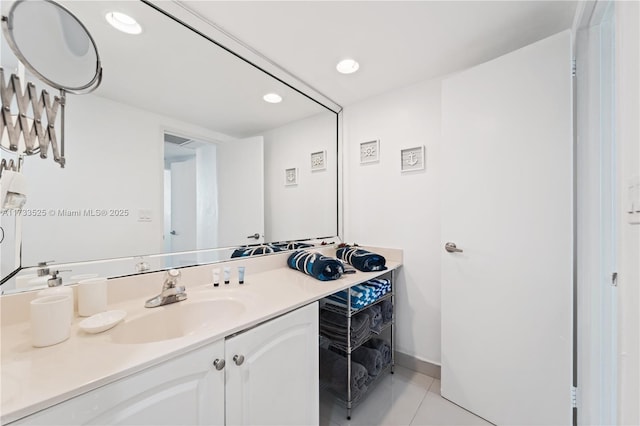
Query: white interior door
[[507, 299], [183, 205], [241, 191]]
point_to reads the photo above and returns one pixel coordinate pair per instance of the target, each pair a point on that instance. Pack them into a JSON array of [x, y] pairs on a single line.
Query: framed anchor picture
[[412, 159]]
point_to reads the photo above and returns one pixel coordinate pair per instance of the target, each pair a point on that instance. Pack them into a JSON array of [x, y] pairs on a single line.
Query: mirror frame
[[208, 30]]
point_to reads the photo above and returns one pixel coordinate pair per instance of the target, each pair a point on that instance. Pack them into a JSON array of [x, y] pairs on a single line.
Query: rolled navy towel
[[320, 267], [255, 250], [293, 245], [362, 260]]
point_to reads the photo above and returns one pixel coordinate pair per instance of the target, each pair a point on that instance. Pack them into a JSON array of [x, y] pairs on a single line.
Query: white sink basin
[[176, 320]]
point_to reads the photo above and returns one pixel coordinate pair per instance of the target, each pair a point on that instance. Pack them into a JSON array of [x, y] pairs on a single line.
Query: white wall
[[240, 174], [114, 152], [386, 208], [311, 204], [207, 197], [628, 140]]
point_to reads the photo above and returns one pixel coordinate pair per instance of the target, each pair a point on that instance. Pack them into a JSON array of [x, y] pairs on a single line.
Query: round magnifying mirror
[[54, 45]]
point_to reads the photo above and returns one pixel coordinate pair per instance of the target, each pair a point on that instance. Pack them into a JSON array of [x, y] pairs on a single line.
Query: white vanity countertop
[[36, 378]]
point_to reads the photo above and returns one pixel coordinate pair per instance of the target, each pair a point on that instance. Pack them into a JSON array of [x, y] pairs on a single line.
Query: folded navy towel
[[370, 358], [317, 265], [339, 299], [255, 250], [334, 372], [362, 260], [381, 346], [380, 286]]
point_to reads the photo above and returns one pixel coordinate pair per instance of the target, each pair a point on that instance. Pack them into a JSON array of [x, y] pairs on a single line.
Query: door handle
[[451, 248], [256, 236], [173, 233]]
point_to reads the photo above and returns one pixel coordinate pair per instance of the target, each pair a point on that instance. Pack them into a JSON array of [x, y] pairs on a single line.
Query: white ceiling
[[171, 71], [397, 43]]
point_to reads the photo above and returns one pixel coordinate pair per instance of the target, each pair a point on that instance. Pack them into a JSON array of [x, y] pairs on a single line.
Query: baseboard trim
[[415, 364]]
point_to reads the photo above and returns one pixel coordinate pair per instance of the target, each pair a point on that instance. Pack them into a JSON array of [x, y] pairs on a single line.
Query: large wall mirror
[[176, 151]]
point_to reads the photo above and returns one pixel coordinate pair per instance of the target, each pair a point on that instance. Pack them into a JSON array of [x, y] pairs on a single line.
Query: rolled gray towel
[[375, 318], [387, 310], [370, 358], [381, 346], [333, 371]]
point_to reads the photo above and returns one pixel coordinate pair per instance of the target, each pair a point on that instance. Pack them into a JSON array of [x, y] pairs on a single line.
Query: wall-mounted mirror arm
[[26, 135]]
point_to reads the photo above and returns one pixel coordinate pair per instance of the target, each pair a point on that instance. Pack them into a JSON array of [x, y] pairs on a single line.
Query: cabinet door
[[186, 390], [277, 383]]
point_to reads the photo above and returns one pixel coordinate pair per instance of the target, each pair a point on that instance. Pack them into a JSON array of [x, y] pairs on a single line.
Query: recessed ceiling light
[[272, 98], [347, 66], [124, 23]]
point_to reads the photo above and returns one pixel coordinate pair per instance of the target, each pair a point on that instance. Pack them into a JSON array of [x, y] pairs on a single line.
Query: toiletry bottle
[[240, 274], [216, 277], [227, 274]]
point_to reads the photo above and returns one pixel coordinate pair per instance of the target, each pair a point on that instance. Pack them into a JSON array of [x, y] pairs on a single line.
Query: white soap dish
[[102, 322]]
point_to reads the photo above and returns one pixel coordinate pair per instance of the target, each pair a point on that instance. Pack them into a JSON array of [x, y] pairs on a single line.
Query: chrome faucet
[[171, 292]]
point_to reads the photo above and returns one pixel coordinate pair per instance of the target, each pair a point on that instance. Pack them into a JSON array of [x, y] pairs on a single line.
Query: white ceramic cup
[[92, 296], [50, 320], [59, 291]]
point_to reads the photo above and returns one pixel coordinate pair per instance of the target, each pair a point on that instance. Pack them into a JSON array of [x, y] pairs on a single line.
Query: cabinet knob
[[238, 359], [219, 364]]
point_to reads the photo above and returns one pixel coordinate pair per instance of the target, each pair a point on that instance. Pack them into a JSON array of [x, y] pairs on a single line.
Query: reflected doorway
[[190, 194]]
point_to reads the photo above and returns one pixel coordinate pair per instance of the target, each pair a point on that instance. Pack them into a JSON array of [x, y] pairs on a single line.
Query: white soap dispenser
[[57, 289]]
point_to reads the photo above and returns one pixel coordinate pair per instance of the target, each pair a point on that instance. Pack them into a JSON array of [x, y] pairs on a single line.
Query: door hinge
[[574, 397], [573, 67], [614, 279]]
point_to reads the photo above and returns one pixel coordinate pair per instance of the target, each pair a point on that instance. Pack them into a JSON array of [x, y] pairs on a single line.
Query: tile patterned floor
[[405, 398]]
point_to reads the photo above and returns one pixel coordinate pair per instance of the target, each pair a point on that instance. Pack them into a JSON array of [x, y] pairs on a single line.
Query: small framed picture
[[369, 152], [291, 176], [318, 161], [412, 159]]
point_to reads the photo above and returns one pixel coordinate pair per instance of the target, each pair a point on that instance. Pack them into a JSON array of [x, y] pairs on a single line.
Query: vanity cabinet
[[272, 372], [185, 390], [269, 376]]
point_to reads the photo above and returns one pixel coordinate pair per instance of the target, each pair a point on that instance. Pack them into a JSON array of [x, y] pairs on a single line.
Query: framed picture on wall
[[318, 160], [291, 176], [369, 152], [412, 159]]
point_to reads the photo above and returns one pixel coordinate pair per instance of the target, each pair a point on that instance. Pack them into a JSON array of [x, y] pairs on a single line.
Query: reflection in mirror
[[53, 44], [125, 193]]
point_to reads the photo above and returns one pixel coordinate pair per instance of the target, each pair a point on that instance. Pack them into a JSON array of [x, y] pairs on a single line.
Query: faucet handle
[[55, 280], [171, 279], [43, 270]]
